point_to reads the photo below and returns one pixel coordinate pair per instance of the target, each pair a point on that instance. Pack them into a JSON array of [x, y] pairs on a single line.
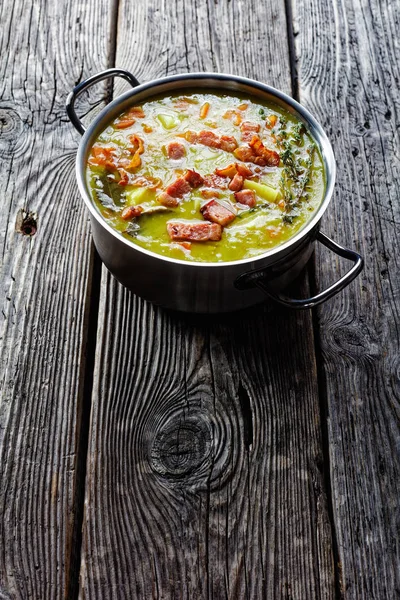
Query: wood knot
[[12, 140], [182, 447], [26, 223]]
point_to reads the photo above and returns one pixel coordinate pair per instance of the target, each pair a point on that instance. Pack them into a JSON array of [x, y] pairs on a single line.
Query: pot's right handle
[[330, 291], [70, 104]]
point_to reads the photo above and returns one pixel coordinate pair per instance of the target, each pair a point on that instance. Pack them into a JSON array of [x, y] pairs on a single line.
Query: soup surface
[[206, 177]]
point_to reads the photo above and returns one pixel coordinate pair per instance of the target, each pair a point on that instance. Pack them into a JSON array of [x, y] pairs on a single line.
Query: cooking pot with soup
[[206, 191]]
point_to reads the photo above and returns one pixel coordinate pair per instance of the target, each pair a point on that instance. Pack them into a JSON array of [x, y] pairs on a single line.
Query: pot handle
[[72, 96], [330, 291]]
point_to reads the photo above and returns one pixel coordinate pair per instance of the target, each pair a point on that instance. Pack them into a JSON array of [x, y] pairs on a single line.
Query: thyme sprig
[[297, 154]]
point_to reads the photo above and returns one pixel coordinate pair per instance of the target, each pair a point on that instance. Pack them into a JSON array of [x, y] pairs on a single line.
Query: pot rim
[[316, 130]]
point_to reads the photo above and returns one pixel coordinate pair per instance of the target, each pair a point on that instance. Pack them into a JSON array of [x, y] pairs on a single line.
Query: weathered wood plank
[[349, 60], [204, 468], [45, 286]]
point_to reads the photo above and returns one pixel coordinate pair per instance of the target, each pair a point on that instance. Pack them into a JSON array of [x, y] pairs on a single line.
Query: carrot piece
[[147, 128], [228, 171], [130, 212], [270, 121], [243, 106], [204, 110]]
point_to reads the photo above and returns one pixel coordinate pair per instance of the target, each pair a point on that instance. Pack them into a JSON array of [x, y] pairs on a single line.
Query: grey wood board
[[205, 462], [348, 62], [45, 288]]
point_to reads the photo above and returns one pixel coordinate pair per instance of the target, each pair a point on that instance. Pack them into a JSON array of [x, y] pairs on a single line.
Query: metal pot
[[207, 287]]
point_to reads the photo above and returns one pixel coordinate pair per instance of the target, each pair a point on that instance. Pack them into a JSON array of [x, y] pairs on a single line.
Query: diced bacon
[[228, 171], [193, 178], [178, 188], [149, 181], [247, 197], [194, 232], [103, 156], [124, 177], [207, 194], [244, 171], [215, 181], [234, 116], [248, 129], [217, 213], [190, 136], [237, 183], [247, 154], [176, 150], [244, 153], [208, 138], [271, 157], [124, 123], [167, 200], [130, 212], [228, 143]]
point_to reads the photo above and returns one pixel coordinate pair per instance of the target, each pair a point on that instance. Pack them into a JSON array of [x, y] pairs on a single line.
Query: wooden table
[[146, 454]]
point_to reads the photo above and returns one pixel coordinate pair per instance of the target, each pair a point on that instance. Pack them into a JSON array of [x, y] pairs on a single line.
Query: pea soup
[[206, 177]]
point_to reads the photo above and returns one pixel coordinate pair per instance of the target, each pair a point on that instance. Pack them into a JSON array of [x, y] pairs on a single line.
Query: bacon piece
[[228, 143], [103, 156], [215, 181], [190, 136], [217, 213], [207, 194], [248, 129], [178, 188], [234, 116], [194, 232], [228, 171], [130, 212], [124, 177], [176, 150], [208, 138], [166, 200], [125, 122], [244, 171], [237, 183], [271, 157], [193, 178], [246, 154], [149, 181], [247, 197]]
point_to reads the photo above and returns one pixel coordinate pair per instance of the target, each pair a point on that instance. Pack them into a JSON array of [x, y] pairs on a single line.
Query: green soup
[[206, 177]]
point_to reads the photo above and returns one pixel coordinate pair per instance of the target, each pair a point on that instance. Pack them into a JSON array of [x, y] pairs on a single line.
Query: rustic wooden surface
[[45, 287], [205, 460], [355, 94], [249, 456]]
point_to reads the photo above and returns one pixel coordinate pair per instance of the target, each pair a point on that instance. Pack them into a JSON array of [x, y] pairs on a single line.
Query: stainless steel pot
[[207, 287]]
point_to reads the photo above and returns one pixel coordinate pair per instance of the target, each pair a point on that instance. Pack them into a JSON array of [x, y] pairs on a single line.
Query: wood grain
[[348, 59], [205, 466], [45, 289]]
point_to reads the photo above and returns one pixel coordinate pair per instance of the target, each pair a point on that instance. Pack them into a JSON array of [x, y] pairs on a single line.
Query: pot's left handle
[[84, 85]]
